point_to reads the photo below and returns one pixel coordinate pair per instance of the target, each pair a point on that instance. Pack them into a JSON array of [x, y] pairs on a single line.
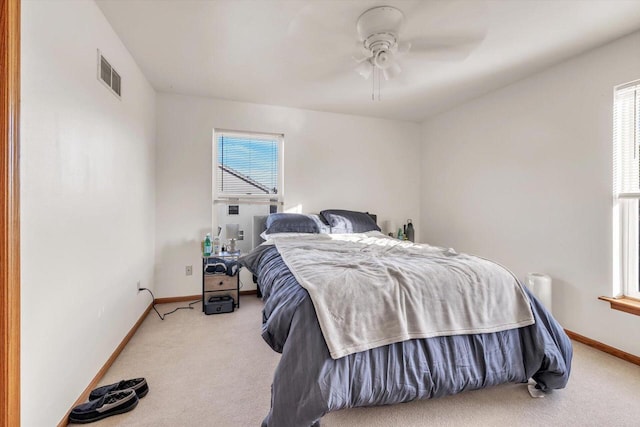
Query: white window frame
[[626, 200], [219, 197]]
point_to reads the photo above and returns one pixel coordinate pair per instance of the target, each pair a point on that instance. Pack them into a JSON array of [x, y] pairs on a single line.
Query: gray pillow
[[342, 221], [294, 223]]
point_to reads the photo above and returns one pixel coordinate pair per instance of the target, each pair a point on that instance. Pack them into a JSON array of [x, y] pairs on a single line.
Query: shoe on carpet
[[138, 384], [112, 403]]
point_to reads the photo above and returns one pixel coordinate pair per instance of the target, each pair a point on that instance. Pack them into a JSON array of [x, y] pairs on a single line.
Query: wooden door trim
[[10, 213]]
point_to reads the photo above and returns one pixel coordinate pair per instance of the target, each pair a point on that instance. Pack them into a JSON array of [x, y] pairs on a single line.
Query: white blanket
[[369, 290]]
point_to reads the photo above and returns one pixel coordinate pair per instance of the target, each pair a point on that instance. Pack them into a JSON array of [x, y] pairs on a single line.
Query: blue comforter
[[308, 383]]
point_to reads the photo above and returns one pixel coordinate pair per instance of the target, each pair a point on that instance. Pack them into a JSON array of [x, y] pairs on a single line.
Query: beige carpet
[[217, 371]]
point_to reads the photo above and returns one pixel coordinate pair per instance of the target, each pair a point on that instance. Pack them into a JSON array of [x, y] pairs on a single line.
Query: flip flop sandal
[[115, 402], [138, 384]]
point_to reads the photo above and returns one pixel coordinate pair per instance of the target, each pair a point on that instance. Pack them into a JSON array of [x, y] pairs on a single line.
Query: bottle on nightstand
[[207, 245], [410, 231], [216, 245]]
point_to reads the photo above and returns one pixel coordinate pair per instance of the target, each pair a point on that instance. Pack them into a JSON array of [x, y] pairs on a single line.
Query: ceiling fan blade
[[392, 71], [322, 24], [446, 48], [402, 47], [320, 39], [426, 18], [361, 53]]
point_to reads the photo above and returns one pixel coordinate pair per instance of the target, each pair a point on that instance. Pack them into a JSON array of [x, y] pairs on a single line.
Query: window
[[626, 167], [247, 180], [248, 166]]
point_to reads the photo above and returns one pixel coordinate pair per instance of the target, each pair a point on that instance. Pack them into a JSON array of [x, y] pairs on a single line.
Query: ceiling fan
[[387, 40], [378, 30], [380, 45]]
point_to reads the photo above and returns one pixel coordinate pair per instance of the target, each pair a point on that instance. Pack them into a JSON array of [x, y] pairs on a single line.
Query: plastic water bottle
[[207, 245], [216, 245], [410, 231]]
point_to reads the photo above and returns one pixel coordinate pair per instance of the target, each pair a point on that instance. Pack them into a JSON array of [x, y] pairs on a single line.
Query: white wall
[[87, 194], [524, 176], [330, 161]]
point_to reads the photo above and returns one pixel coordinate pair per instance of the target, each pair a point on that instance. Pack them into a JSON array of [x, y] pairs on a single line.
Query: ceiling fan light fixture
[[365, 68], [391, 71]]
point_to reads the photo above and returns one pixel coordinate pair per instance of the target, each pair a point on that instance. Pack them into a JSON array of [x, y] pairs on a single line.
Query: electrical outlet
[[138, 286], [188, 270]]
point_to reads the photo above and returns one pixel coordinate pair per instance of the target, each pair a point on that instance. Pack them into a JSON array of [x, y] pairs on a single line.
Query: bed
[[311, 379]]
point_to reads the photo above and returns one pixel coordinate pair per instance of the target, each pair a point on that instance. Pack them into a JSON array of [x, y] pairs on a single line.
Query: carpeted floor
[[217, 371]]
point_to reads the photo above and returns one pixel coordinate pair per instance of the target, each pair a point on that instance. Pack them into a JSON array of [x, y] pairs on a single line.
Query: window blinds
[[626, 132], [247, 164]]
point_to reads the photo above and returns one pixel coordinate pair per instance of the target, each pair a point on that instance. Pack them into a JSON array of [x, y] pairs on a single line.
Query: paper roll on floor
[[540, 285]]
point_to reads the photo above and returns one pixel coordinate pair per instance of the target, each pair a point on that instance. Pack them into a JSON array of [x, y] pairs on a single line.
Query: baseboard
[[85, 394], [195, 297], [604, 347], [168, 300]]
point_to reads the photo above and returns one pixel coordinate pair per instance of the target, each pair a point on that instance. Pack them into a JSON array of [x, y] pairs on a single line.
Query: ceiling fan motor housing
[[378, 28], [382, 59], [379, 20]]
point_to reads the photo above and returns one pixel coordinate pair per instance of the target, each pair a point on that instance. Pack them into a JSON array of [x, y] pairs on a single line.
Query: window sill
[[626, 304]]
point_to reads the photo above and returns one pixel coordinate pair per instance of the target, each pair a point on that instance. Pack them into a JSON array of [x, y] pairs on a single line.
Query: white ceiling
[[298, 53]]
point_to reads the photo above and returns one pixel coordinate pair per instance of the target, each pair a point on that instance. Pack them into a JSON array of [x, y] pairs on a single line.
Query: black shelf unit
[[220, 279]]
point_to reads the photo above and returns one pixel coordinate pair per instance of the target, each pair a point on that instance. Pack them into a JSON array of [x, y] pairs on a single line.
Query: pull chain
[[373, 84], [375, 75]]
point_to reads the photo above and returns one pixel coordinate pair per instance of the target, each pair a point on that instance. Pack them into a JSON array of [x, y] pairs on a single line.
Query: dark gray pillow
[[293, 223], [342, 221]]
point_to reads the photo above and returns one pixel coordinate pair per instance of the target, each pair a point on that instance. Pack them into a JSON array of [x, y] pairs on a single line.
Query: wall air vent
[[108, 76]]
